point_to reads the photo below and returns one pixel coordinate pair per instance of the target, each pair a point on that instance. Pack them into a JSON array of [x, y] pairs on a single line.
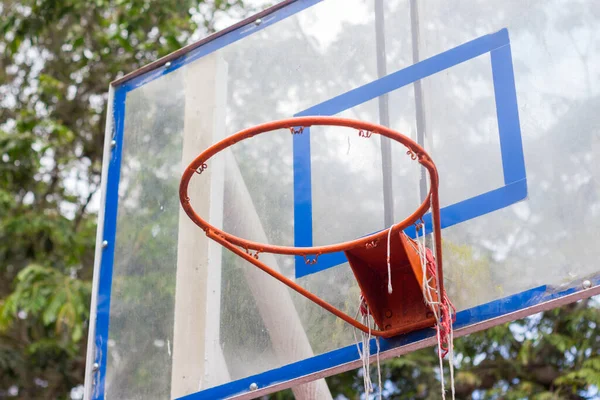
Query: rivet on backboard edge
[[258, 21], [587, 284], [104, 244], [113, 143], [253, 386], [167, 64], [95, 367]]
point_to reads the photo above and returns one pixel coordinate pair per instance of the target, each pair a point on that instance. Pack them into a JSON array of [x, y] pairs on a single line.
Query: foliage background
[[57, 59]]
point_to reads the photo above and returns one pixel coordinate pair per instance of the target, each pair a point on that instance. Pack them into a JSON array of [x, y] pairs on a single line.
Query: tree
[[57, 61]]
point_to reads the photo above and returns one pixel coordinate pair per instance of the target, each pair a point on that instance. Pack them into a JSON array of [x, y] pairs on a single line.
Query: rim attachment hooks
[[419, 224], [254, 255], [201, 168], [296, 131], [371, 245], [311, 261]]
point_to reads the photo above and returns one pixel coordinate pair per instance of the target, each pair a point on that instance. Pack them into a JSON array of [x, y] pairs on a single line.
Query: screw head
[[258, 21], [104, 244], [113, 143], [167, 64], [95, 366], [253, 386], [587, 284]]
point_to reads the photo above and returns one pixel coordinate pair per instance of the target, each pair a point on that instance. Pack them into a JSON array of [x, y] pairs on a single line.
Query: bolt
[[587, 284], [95, 366], [113, 143], [388, 326], [429, 314], [253, 386], [388, 313], [104, 244], [258, 22], [167, 64]]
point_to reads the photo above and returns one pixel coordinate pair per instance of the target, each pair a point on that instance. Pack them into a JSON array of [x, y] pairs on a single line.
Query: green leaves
[[59, 58], [51, 86], [60, 302], [562, 343], [588, 375]]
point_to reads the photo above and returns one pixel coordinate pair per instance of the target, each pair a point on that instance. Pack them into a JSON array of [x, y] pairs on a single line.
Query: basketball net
[[364, 349], [443, 311]]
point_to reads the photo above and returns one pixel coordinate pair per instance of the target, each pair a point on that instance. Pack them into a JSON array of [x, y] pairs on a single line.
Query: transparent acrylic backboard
[[502, 94]]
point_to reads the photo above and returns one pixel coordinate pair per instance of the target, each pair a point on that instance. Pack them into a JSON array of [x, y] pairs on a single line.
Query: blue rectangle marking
[[511, 147]]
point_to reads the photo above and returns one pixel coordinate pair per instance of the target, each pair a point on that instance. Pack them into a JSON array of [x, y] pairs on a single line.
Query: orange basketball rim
[[250, 250]]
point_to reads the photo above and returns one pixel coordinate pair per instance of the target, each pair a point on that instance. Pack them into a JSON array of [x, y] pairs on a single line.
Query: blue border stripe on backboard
[[513, 160], [114, 171], [109, 234], [513, 164], [347, 354], [220, 42]]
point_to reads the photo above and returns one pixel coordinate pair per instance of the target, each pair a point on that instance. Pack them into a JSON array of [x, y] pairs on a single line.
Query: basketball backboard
[[502, 94]]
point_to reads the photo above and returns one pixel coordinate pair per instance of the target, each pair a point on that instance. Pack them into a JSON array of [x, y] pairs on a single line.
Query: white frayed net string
[[443, 311], [364, 350], [389, 264]]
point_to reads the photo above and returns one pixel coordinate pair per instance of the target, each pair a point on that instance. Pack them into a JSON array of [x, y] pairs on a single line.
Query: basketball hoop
[[362, 253]]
